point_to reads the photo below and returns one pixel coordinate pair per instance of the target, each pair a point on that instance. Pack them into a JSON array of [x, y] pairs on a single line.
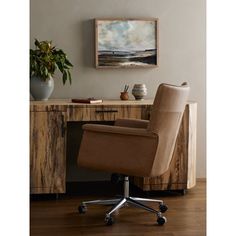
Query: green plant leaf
[[46, 59], [69, 74], [68, 63], [37, 43], [46, 71], [64, 77], [60, 66]]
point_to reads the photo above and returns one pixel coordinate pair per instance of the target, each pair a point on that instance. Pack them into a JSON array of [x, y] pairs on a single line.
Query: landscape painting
[[126, 43]]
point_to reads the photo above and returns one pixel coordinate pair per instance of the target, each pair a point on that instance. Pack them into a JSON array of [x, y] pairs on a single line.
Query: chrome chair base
[[126, 201]]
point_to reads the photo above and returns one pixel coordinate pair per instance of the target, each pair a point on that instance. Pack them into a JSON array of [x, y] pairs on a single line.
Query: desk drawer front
[[104, 113]]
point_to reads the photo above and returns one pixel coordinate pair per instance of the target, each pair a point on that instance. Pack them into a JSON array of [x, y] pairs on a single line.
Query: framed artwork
[[128, 43]]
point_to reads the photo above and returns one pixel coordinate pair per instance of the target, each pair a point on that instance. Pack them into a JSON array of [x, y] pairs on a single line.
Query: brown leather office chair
[[136, 147]]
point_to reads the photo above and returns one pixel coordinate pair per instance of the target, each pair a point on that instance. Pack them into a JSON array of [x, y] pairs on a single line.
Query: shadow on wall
[[88, 43]]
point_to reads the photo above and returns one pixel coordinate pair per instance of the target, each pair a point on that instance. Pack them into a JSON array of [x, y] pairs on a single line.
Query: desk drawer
[[101, 113]]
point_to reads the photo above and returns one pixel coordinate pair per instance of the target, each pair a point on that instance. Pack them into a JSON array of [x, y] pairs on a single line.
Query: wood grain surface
[[47, 152], [182, 172], [47, 146]]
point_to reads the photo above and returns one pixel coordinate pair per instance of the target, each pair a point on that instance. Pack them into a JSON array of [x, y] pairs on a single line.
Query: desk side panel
[[47, 152], [181, 174]]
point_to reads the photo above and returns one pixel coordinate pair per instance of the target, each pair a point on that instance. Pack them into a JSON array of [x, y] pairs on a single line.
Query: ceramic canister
[[139, 91]]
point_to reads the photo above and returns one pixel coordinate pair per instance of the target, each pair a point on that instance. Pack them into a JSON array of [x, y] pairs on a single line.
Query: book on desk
[[86, 100]]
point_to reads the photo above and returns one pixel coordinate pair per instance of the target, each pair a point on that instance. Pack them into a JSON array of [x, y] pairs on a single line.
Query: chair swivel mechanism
[[134, 147]]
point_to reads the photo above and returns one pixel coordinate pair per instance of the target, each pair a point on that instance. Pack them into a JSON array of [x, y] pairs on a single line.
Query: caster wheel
[[82, 209], [161, 220], [109, 220], [163, 208]]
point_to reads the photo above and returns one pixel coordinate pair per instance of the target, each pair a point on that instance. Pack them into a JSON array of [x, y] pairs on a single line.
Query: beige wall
[[182, 49]]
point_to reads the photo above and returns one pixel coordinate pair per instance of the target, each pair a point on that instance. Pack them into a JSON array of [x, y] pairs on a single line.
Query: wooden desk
[[48, 124]]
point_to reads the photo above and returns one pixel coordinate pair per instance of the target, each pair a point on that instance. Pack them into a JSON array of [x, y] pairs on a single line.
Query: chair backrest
[[165, 120]]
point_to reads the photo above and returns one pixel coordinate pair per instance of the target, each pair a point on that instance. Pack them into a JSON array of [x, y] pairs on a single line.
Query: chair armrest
[[117, 149], [132, 123], [118, 130]]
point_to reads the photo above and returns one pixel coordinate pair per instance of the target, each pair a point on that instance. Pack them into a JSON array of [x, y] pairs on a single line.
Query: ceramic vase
[[139, 91], [41, 90]]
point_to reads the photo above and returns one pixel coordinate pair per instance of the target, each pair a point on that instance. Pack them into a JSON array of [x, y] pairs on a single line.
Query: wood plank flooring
[[186, 216]]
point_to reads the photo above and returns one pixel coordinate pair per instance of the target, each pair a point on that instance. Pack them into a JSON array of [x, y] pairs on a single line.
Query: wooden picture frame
[[126, 43]]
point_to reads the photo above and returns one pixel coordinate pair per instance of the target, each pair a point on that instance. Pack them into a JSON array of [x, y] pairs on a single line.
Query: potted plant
[[45, 59]]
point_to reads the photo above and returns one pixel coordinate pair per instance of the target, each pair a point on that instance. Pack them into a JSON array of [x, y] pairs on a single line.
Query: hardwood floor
[[186, 216]]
